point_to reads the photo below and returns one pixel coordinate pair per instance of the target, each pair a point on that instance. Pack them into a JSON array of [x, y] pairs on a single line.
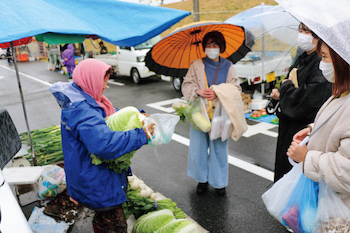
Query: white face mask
[[327, 71], [305, 42], [212, 53]]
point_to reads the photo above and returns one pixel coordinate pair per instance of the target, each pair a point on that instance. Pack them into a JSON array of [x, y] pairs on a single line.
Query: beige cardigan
[[229, 94], [231, 100], [329, 148]]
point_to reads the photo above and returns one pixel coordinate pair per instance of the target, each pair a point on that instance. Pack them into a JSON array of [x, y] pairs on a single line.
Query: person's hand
[[296, 152], [299, 136], [207, 93], [149, 130], [275, 94]]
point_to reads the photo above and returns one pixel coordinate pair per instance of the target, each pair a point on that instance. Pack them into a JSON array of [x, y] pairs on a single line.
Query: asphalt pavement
[[164, 167]]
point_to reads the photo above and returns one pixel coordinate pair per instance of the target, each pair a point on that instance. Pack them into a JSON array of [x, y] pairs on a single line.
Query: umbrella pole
[[23, 104]]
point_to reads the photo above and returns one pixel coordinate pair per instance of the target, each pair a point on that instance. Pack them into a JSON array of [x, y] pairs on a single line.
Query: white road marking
[[28, 76], [259, 171], [168, 109], [116, 83], [262, 127]]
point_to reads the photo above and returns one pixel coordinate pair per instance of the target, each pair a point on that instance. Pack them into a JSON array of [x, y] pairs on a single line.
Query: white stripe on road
[[116, 83], [50, 84], [28, 76], [166, 105], [259, 171]]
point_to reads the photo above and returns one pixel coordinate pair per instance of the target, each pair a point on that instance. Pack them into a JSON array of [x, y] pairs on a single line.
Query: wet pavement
[[164, 167]]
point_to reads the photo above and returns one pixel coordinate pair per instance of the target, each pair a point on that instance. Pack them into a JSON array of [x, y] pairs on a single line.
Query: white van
[[130, 61]]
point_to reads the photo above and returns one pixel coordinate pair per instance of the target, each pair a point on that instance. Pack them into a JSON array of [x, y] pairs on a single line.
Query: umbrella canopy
[[120, 23], [173, 54], [330, 20], [265, 20]]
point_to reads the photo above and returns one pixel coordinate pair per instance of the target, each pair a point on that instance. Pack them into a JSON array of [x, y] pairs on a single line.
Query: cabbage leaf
[[125, 119], [151, 222]]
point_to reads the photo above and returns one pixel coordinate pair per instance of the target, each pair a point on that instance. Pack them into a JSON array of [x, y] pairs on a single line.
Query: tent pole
[[23, 104]]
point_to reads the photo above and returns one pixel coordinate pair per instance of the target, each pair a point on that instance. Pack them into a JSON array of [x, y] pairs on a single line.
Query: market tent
[[120, 23]]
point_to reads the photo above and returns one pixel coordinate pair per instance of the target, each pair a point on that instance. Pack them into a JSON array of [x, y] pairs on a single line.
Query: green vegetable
[[179, 108], [125, 119], [194, 115], [139, 206], [46, 143], [151, 222], [179, 226]]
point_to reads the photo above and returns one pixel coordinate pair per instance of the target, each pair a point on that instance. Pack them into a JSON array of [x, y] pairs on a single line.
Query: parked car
[[130, 61], [2, 53]]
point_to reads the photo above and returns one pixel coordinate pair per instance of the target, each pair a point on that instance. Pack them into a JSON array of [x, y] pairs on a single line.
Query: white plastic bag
[[51, 182], [277, 197], [227, 127], [216, 123], [163, 129], [197, 115], [332, 213], [41, 223]]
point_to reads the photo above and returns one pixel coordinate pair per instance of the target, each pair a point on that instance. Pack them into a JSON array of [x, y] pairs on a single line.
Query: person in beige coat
[[208, 159], [327, 155]]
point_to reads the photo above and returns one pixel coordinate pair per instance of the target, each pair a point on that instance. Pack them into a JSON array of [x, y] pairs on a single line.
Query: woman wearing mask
[[208, 160], [84, 131], [299, 105], [327, 154]]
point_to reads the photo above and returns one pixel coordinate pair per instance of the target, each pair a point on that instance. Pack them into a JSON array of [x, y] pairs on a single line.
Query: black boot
[[202, 187], [221, 192]]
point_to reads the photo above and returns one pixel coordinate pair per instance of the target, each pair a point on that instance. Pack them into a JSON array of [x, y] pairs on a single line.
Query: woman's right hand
[[299, 136], [275, 94], [149, 130]]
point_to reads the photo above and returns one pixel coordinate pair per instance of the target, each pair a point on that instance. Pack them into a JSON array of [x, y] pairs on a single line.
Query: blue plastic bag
[[301, 210]]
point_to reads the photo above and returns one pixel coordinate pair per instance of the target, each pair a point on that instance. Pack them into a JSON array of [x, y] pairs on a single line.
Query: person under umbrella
[[298, 105], [326, 156], [208, 168], [84, 131]]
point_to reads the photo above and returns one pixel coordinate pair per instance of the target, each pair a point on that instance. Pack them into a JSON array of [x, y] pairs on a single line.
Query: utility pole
[[195, 10]]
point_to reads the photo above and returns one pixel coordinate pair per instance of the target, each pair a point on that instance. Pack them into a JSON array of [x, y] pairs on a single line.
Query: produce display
[[141, 200], [258, 113], [125, 119], [46, 143]]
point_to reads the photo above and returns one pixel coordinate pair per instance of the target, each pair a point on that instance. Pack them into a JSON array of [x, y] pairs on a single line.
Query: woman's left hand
[[296, 152]]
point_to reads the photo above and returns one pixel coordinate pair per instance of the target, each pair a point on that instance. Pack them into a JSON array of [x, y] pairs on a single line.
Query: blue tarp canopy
[[119, 23]]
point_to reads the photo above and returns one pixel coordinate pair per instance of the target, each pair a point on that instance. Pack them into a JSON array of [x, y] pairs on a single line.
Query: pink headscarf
[[89, 75]]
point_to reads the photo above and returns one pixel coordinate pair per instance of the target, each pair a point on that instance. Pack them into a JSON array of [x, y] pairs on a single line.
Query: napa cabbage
[[179, 226], [125, 119], [151, 222]]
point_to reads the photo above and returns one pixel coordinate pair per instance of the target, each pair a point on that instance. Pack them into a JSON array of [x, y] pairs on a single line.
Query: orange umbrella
[[173, 54]]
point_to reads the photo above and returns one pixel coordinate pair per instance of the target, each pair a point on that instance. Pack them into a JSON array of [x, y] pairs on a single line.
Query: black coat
[[298, 106]]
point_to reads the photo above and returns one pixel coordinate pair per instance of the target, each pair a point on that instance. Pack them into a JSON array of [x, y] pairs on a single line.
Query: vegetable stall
[[150, 211]]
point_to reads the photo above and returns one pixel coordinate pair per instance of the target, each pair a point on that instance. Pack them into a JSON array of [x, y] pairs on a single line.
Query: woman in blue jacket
[[84, 131]]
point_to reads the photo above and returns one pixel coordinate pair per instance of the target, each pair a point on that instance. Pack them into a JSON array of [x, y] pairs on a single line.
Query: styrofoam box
[[23, 181], [258, 104]]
